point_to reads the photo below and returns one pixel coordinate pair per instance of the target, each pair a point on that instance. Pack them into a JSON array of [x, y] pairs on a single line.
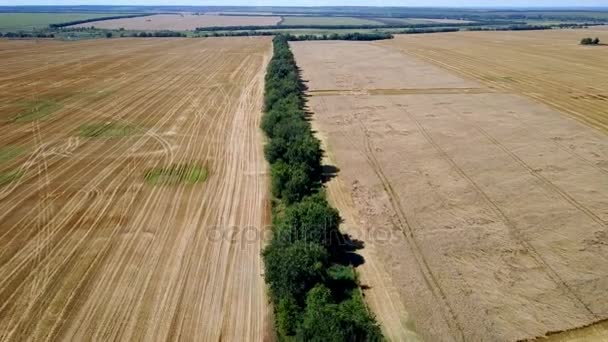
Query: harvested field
[[181, 22], [483, 211], [134, 209], [31, 21], [550, 66]]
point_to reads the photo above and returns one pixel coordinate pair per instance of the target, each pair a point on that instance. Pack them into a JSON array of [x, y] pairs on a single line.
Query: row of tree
[[158, 34], [27, 35], [566, 15], [311, 282], [577, 25], [533, 27], [351, 26], [235, 34], [360, 36], [373, 13], [513, 28], [429, 30]]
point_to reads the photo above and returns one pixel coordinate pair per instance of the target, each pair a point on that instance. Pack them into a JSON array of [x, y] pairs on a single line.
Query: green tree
[[291, 182], [356, 320], [293, 270], [284, 109], [297, 149], [586, 41], [321, 321], [306, 150], [311, 220], [287, 316], [292, 128]]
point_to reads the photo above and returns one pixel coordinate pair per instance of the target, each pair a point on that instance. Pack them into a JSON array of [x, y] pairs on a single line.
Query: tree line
[[158, 34], [359, 36], [429, 30], [351, 27], [533, 27], [513, 28], [27, 35], [311, 281], [566, 16]]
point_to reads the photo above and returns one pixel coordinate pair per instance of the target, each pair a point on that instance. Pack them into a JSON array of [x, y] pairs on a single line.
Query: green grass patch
[[176, 174], [9, 152], [10, 176], [36, 110], [107, 130]]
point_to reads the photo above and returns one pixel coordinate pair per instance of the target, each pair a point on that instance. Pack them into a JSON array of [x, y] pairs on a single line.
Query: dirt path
[[487, 210], [383, 297], [92, 251]]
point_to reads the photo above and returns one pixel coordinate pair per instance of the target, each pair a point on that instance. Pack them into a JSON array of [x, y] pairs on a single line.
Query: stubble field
[[549, 66], [129, 170], [478, 184], [181, 22]]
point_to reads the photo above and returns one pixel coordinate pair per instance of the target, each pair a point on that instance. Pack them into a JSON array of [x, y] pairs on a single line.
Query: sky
[[425, 3]]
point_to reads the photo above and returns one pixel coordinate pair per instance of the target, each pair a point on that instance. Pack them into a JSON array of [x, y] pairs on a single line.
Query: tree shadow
[[348, 246], [328, 172], [349, 256], [354, 259], [349, 259]]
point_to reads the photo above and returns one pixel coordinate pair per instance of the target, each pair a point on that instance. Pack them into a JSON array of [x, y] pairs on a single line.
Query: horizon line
[[321, 6]]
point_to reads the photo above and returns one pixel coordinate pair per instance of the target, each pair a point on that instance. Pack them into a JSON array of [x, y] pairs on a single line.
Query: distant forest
[[586, 14]]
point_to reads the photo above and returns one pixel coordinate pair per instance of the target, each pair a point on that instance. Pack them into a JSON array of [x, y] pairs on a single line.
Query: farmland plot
[[133, 191], [483, 212], [181, 22], [549, 66], [31, 21]]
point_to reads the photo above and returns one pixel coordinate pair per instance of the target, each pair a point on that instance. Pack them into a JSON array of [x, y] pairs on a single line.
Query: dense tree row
[[158, 34], [495, 28], [83, 21], [577, 25], [236, 34], [312, 285], [430, 30], [351, 27], [532, 15], [27, 35], [362, 36], [513, 28]]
